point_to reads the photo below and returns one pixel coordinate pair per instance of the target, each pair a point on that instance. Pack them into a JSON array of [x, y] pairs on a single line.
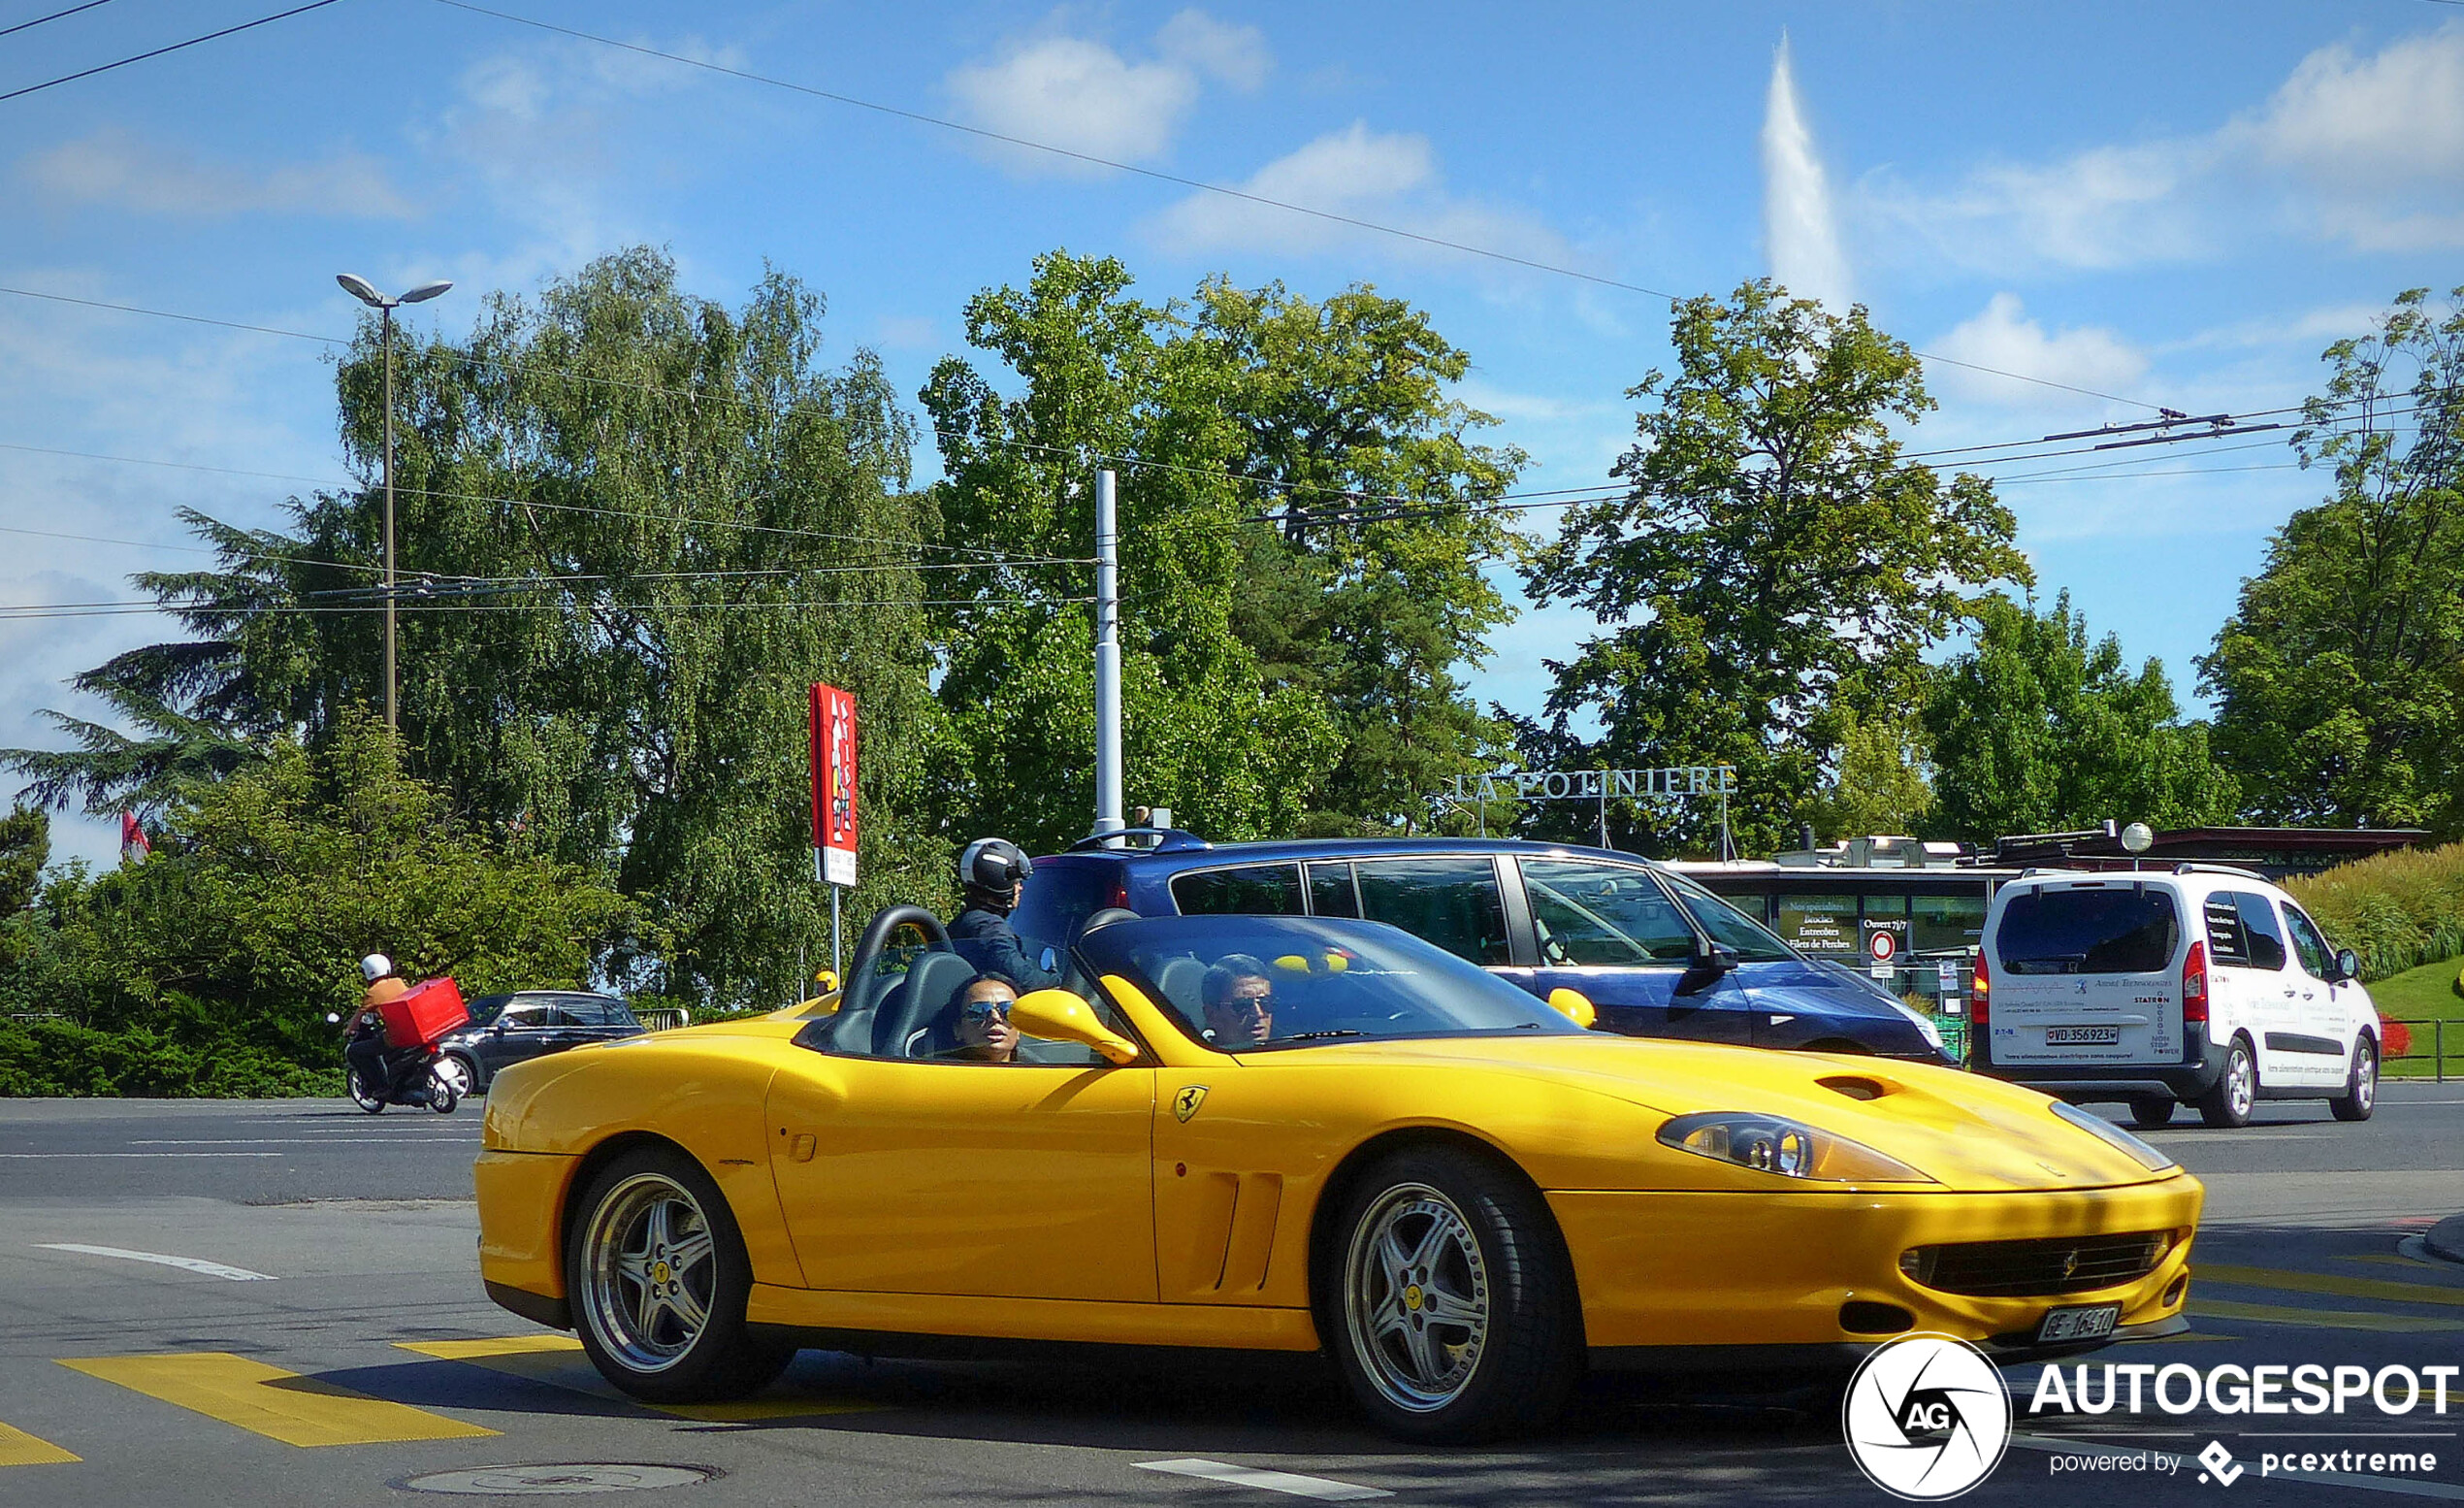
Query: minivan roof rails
[[2188, 867], [1166, 840]]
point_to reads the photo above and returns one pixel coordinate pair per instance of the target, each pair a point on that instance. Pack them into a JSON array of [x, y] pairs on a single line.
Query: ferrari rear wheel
[[1449, 1304], [658, 1278]]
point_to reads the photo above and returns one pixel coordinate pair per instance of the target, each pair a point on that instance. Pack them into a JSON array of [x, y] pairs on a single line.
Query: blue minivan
[[1655, 953]]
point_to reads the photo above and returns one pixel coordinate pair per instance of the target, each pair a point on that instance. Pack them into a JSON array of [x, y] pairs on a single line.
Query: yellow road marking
[[2323, 1319], [556, 1360], [2391, 1259], [2328, 1283], [269, 1401], [20, 1449]]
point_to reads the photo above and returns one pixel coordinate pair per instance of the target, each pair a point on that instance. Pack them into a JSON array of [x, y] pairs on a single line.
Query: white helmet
[[375, 967]]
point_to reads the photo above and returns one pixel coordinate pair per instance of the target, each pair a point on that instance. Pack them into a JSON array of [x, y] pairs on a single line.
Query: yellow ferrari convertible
[[1291, 1133]]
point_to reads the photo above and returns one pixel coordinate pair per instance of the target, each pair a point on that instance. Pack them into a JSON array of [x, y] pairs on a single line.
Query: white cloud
[[1801, 231], [1083, 96], [2004, 339], [2368, 150], [1235, 55], [1388, 178], [116, 168]]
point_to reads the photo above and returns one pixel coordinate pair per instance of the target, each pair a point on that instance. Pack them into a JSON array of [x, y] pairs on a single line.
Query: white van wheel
[[2362, 1084], [2228, 1104]]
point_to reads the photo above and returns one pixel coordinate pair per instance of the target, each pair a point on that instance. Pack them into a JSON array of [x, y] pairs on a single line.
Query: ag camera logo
[[1927, 1416]]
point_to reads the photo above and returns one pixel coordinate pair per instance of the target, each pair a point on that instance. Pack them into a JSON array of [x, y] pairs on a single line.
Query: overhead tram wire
[[53, 16], [103, 68], [23, 612], [1078, 453], [1202, 186]]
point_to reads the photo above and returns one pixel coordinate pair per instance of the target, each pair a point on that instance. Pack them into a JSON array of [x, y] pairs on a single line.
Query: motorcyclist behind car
[[993, 872], [364, 1045]]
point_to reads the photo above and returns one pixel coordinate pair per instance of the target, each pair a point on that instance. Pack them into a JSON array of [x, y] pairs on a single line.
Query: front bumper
[[2202, 1065], [1662, 1270]]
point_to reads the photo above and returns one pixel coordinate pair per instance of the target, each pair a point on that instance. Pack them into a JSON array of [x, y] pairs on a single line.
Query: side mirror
[[1715, 958], [497, 1030], [2347, 964], [1574, 1007], [1059, 1016]]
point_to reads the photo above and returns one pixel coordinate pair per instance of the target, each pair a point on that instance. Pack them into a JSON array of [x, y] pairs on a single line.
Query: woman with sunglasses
[[983, 1031]]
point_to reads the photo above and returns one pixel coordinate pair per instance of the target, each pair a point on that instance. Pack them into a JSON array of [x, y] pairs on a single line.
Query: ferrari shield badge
[[1185, 1105]]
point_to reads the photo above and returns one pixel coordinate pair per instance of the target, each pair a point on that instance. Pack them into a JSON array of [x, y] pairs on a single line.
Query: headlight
[[1769, 1144], [1923, 1023], [2150, 1158]]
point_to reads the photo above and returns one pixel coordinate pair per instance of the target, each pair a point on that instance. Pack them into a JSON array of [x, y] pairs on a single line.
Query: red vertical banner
[[833, 754]]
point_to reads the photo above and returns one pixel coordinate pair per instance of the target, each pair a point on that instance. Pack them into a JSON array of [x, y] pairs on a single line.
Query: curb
[[2445, 1239]]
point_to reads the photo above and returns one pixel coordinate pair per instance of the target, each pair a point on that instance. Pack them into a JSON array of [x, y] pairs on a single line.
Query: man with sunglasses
[[1240, 1003], [983, 1031]]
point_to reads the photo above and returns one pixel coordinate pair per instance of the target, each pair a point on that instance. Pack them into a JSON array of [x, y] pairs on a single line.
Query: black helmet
[[994, 865]]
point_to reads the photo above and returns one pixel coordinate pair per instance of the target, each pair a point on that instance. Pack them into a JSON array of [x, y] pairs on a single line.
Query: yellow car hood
[[1964, 1131]]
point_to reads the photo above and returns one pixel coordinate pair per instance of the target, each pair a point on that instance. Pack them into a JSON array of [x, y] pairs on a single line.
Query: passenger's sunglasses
[[987, 1010]]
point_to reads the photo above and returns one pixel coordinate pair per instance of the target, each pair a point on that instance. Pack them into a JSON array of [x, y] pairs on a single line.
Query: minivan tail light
[[2194, 984], [1980, 989]]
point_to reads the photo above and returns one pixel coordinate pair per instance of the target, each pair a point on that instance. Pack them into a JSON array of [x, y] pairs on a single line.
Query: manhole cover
[[553, 1477]]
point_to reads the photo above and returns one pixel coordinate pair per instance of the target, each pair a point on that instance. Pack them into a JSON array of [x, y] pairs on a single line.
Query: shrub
[[2397, 910]]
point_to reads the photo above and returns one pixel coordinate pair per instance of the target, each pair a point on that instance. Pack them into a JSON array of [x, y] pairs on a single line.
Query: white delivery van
[[2200, 985]]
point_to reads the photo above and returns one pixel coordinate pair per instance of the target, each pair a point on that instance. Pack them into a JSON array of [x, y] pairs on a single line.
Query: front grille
[[2060, 1264]]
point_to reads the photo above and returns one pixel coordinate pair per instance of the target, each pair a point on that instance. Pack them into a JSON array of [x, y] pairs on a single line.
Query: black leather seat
[[901, 1028]]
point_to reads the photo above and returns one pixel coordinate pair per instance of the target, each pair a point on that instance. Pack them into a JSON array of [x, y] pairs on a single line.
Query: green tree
[[1774, 562], [2340, 677], [210, 966], [1879, 783], [637, 524], [1287, 630], [2035, 729]]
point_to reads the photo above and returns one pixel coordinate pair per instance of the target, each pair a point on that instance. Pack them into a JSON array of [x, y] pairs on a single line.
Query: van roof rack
[[1165, 839], [2193, 867]]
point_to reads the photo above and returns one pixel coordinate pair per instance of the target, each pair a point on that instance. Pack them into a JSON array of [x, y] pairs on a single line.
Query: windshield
[[1265, 983], [1728, 926]]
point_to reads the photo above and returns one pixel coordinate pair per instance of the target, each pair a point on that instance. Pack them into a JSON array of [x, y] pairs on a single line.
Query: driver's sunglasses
[[987, 1010], [1247, 1005]]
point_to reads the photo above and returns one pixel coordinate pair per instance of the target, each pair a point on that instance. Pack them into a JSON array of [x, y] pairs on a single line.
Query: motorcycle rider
[[365, 1048], [993, 871]]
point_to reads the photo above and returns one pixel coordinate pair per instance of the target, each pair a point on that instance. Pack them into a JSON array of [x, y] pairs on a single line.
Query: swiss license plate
[[2087, 1321], [2082, 1037]]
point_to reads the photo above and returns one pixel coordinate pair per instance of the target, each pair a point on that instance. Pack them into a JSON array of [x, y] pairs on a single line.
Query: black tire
[[2230, 1103], [693, 1347], [1431, 1231], [2361, 1083], [357, 1088], [2152, 1112], [445, 1092]]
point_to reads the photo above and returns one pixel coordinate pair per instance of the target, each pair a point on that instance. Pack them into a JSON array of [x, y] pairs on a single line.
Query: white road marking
[[1272, 1481], [48, 1156], [2402, 1486], [212, 1269], [284, 1141]]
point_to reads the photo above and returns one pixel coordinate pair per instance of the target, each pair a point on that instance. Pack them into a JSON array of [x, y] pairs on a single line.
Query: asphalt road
[[365, 1357]]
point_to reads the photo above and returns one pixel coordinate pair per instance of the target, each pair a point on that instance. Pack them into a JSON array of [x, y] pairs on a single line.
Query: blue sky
[[2178, 205]]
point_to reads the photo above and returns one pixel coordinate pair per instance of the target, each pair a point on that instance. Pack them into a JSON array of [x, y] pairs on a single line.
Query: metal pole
[[1108, 798], [393, 719], [835, 966]]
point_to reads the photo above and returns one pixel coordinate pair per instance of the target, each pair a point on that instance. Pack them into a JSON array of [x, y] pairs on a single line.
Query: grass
[[2427, 993]]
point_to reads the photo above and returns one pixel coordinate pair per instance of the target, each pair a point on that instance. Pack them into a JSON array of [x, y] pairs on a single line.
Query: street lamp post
[[366, 292]]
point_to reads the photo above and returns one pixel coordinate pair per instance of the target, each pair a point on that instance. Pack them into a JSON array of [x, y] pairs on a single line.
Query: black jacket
[[985, 938]]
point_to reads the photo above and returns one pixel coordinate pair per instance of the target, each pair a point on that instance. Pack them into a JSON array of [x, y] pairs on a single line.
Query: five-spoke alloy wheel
[[1446, 1296], [658, 1278], [2236, 1090]]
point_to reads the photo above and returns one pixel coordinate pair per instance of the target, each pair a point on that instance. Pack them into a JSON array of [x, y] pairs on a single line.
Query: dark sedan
[[509, 1029]]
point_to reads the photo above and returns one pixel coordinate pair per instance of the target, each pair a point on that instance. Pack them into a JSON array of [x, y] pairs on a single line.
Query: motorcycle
[[414, 1076]]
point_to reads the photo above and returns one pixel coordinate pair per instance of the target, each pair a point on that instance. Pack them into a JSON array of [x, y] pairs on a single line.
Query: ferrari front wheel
[[658, 1278], [1451, 1308]]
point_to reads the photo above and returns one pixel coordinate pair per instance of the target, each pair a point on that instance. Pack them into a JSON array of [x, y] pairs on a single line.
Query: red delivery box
[[428, 1012]]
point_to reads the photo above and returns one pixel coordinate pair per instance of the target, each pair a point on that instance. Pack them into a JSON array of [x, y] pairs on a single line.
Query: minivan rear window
[[1059, 896], [2116, 931]]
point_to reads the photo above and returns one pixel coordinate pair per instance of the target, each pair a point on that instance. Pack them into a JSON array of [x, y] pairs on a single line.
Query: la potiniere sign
[[1591, 785], [833, 733]]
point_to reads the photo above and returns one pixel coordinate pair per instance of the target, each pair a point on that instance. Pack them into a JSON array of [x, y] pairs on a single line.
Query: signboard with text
[[833, 740]]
